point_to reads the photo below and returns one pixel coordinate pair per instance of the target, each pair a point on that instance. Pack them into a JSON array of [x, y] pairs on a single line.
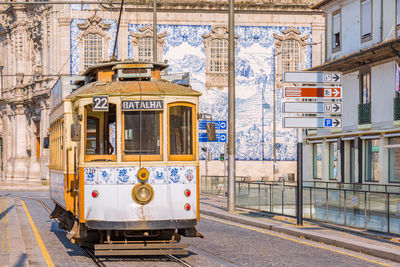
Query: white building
[[40, 43], [362, 41]]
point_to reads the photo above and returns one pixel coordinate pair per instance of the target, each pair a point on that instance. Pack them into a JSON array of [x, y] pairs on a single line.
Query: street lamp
[[274, 112]]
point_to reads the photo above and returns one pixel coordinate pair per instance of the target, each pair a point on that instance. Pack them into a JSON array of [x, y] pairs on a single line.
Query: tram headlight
[[142, 193]]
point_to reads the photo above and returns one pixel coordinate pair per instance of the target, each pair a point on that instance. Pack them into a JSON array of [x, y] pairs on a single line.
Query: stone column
[[64, 42], [21, 157], [10, 142]]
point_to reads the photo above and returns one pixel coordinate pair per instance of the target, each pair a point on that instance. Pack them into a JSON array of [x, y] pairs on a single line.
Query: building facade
[[362, 41], [41, 43]]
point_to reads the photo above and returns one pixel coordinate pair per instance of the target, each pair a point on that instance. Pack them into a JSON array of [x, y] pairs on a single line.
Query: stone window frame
[[93, 25], [147, 32], [339, 47], [367, 37], [216, 79], [289, 34]]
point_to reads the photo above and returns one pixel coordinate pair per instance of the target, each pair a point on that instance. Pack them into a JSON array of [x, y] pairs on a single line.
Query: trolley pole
[[155, 30], [299, 195], [231, 109]]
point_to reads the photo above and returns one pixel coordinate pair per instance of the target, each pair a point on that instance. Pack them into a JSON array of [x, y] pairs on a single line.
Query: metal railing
[[364, 113], [359, 208], [370, 187], [396, 108], [217, 185]]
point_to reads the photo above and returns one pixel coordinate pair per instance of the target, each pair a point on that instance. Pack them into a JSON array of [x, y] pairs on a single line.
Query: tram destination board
[[130, 105]]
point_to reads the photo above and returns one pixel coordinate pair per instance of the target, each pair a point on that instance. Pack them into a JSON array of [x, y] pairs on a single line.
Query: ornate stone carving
[[217, 80], [20, 109], [94, 22], [93, 25], [147, 32], [289, 34]]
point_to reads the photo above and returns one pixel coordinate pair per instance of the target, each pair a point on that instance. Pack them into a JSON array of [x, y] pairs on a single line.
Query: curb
[[384, 253]]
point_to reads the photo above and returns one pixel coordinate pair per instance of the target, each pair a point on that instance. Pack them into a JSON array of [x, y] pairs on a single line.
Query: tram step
[[140, 249]]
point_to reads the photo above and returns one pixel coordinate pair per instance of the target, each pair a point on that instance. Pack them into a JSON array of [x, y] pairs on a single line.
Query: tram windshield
[[180, 130], [142, 132], [101, 131]]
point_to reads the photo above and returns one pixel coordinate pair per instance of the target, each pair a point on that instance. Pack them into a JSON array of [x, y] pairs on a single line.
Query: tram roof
[[125, 88], [110, 64]]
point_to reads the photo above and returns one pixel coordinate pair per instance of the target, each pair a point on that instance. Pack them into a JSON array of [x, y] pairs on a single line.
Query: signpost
[[313, 92], [312, 122], [325, 77], [312, 107], [324, 87]]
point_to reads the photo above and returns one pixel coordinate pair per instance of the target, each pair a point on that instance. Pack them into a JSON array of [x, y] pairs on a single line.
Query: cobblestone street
[[225, 243]]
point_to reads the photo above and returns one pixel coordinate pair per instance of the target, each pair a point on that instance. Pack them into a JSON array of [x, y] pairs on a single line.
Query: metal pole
[[299, 209], [274, 119], [231, 110], [155, 30], [116, 35]]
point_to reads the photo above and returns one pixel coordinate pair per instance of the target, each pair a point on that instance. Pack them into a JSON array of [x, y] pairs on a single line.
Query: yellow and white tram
[[124, 167]]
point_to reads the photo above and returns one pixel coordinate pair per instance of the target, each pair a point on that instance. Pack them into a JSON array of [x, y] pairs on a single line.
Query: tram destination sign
[[312, 122], [326, 77], [313, 92], [129, 105], [312, 107]]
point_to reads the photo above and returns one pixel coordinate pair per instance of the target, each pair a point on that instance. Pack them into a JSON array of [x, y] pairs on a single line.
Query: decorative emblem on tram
[[189, 175], [174, 175], [123, 176]]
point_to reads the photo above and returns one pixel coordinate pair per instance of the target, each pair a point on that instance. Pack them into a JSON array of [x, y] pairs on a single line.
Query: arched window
[[219, 55], [93, 45], [145, 49], [291, 57]]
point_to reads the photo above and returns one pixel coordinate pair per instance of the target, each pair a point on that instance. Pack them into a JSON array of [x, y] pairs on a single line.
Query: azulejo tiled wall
[[184, 50]]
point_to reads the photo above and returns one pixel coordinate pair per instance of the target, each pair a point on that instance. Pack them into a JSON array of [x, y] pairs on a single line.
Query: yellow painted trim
[[191, 157], [198, 192], [81, 200], [89, 158], [294, 240], [142, 157], [39, 240]]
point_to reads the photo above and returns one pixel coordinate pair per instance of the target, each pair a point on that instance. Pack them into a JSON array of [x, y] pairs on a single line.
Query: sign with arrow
[[312, 107], [326, 77], [313, 92], [312, 122]]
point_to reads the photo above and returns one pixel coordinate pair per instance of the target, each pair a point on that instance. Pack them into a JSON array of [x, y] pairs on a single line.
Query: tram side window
[[142, 133], [101, 131], [180, 130]]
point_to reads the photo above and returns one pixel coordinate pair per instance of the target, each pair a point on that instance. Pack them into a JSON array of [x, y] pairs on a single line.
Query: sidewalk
[[20, 186], [371, 243], [12, 251]]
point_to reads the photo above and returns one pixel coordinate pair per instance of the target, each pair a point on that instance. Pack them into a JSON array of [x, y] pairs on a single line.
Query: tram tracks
[[98, 260]]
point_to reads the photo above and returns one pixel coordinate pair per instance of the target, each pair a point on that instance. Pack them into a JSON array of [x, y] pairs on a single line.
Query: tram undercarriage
[[110, 242]]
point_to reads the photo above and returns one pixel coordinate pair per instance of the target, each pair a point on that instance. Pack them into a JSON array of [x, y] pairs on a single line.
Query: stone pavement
[[12, 248], [370, 243]]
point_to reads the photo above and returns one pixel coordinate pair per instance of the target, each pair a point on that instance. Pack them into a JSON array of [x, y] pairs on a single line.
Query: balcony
[[396, 109], [364, 113]]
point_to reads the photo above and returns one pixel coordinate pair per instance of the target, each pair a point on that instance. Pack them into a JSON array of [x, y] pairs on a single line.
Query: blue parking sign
[[328, 122]]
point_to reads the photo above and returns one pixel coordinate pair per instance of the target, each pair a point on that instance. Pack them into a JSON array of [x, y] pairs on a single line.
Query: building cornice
[[377, 53]]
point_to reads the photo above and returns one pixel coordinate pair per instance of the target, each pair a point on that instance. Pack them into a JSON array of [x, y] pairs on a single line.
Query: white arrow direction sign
[[312, 122], [312, 107], [312, 77]]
